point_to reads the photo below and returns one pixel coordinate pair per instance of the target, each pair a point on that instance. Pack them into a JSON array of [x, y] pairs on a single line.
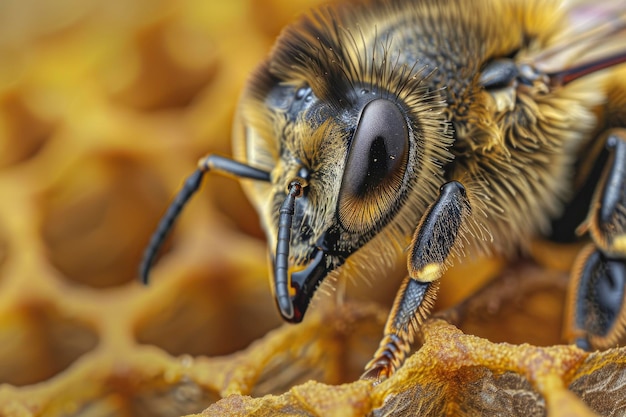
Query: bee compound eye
[[375, 166]]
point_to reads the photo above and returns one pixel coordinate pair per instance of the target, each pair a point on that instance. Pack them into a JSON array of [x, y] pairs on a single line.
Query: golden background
[[104, 108]]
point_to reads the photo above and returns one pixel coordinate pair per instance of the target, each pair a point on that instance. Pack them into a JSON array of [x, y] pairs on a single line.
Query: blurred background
[[105, 107]]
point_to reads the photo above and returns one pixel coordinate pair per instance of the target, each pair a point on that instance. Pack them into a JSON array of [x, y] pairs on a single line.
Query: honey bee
[[429, 130]]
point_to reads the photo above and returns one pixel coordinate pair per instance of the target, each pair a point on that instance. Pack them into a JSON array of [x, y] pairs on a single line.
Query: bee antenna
[[191, 185], [281, 263], [213, 163]]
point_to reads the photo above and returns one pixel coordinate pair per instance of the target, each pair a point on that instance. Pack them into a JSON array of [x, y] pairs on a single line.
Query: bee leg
[[431, 249], [596, 304]]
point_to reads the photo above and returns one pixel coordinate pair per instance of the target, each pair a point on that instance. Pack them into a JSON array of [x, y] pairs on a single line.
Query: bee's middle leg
[[431, 249]]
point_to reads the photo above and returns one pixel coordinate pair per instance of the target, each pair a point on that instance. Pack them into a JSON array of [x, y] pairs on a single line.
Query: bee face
[[359, 124]]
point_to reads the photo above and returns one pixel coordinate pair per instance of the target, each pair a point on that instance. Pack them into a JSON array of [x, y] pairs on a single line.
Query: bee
[[427, 130]]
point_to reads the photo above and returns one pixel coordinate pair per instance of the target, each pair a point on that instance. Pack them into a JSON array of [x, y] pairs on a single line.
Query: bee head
[[360, 132]]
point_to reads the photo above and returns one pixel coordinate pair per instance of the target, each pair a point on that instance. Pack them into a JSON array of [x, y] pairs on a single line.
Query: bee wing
[[593, 37]]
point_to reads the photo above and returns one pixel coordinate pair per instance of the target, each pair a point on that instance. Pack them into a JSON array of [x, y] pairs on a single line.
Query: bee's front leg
[[596, 310], [431, 249]]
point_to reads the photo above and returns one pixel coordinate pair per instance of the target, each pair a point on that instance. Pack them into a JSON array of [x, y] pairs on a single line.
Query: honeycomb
[[104, 108]]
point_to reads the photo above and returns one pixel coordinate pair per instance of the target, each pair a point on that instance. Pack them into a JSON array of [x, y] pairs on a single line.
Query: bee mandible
[[445, 127]]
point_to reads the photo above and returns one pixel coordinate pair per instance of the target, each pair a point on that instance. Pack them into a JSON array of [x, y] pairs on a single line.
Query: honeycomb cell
[[23, 132], [334, 349], [98, 219], [209, 313], [37, 333], [173, 64], [185, 397], [510, 308], [155, 398]]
